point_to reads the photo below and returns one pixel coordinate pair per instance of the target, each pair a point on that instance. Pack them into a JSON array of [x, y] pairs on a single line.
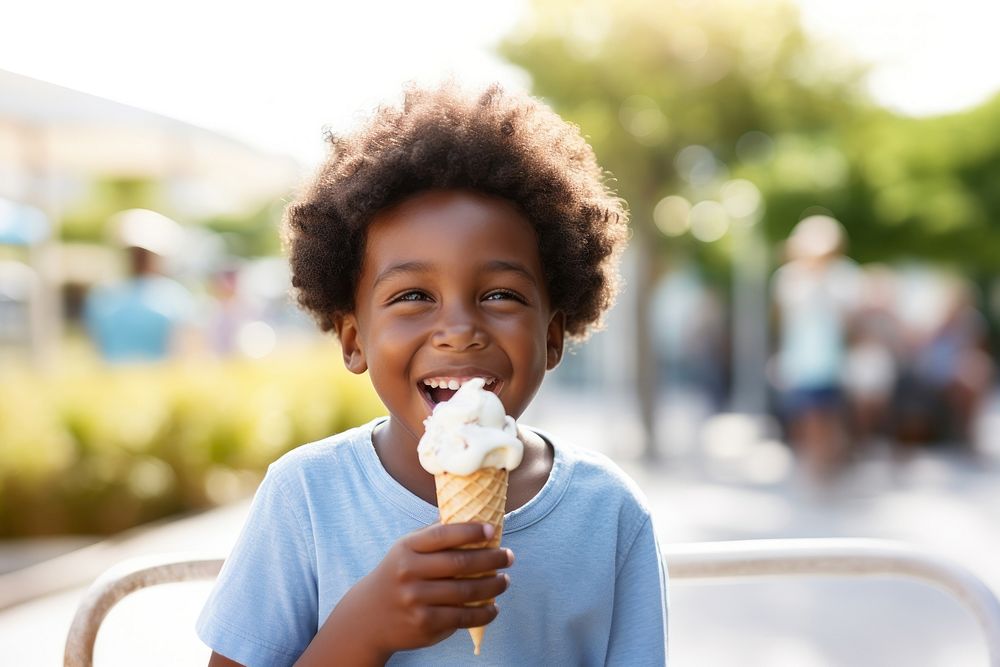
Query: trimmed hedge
[[92, 449]]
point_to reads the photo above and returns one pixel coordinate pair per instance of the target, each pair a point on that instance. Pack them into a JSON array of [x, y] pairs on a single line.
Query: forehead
[[454, 226]]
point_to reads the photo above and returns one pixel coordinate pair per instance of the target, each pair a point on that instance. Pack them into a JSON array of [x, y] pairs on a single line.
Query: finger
[[475, 617], [463, 617], [448, 536], [455, 592], [461, 562]]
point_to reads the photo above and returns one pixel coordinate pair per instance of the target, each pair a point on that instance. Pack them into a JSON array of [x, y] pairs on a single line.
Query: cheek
[[391, 346], [526, 339], [390, 333]]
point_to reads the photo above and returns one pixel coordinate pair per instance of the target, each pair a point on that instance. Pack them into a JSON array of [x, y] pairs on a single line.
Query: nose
[[458, 330]]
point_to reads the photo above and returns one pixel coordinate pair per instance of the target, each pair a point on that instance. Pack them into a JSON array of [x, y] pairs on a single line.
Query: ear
[[554, 338], [350, 343]]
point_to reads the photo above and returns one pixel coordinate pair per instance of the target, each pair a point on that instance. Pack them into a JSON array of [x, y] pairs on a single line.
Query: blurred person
[[226, 312], [871, 368], [815, 293], [147, 316], [688, 334], [920, 306], [953, 365]]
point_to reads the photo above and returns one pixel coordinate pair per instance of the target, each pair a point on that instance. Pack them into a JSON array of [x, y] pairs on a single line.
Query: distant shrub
[[90, 449]]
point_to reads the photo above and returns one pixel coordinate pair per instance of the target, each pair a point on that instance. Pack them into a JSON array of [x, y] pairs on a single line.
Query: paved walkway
[[734, 484]]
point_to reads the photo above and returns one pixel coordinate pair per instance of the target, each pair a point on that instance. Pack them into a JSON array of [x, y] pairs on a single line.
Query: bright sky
[[931, 56], [274, 74]]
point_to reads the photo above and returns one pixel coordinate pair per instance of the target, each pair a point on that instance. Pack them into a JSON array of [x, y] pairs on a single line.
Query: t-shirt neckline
[[531, 512]]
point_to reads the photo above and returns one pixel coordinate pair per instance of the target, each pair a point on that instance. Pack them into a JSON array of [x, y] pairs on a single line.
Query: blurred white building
[[55, 143]]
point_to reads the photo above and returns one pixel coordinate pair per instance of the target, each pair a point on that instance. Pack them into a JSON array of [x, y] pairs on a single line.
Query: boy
[[450, 238]]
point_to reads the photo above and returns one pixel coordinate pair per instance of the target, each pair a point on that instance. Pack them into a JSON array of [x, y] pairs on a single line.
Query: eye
[[411, 295], [504, 295]]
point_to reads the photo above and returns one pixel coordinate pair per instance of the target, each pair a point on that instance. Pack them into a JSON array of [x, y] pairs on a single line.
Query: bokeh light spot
[[672, 215], [742, 199], [256, 339], [696, 165], [709, 221]]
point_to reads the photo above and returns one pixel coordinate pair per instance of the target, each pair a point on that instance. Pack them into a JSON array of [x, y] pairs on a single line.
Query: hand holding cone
[[480, 497]]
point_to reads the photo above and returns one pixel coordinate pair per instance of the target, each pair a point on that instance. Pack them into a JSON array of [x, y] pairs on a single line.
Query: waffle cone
[[480, 497]]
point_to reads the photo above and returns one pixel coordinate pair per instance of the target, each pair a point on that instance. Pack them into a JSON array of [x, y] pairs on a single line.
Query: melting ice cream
[[468, 432]]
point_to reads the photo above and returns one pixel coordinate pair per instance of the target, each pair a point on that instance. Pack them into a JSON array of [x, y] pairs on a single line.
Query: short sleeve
[[263, 609], [639, 621]]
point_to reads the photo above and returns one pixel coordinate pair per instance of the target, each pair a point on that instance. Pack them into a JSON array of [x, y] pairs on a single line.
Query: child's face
[[451, 287]]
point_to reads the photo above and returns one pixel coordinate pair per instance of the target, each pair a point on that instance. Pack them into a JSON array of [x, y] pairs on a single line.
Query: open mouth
[[439, 389]]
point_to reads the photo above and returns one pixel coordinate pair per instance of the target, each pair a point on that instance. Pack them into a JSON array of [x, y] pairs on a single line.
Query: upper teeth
[[453, 383]]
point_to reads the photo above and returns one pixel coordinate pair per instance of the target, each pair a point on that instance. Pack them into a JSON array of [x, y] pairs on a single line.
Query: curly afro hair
[[503, 144]]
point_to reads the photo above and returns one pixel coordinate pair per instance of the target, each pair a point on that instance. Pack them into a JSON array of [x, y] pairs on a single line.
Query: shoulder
[[602, 500], [789, 275], [167, 292], [592, 475]]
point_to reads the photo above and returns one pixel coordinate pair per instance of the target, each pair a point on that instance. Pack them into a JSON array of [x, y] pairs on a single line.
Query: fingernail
[[510, 556], [488, 530]]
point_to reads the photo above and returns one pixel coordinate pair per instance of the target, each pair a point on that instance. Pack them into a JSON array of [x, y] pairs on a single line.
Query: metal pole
[[750, 320], [846, 557]]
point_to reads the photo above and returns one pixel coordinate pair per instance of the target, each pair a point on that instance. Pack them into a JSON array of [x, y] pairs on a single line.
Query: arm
[[415, 596], [639, 621]]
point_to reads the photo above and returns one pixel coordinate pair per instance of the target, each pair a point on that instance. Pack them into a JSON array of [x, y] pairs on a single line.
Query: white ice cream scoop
[[468, 432]]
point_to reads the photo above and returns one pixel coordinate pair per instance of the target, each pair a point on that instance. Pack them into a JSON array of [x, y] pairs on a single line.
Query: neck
[[396, 448]]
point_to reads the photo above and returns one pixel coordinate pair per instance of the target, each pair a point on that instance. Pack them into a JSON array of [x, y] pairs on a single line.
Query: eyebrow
[[495, 266], [402, 267], [498, 265]]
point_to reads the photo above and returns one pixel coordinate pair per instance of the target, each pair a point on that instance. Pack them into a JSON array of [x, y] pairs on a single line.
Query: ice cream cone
[[479, 497], [469, 444]]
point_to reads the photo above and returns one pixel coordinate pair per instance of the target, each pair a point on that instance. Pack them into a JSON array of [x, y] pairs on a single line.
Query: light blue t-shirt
[[136, 320], [587, 587]]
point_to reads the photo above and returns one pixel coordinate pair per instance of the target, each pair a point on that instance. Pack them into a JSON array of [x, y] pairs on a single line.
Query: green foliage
[[87, 220], [909, 188], [646, 78], [253, 235], [95, 450]]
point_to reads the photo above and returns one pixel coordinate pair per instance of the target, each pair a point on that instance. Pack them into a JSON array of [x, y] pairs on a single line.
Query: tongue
[[441, 394]]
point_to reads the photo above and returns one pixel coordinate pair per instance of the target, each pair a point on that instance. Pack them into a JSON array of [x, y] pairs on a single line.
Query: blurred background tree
[[86, 220], [645, 79], [919, 188], [648, 80], [251, 235]]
